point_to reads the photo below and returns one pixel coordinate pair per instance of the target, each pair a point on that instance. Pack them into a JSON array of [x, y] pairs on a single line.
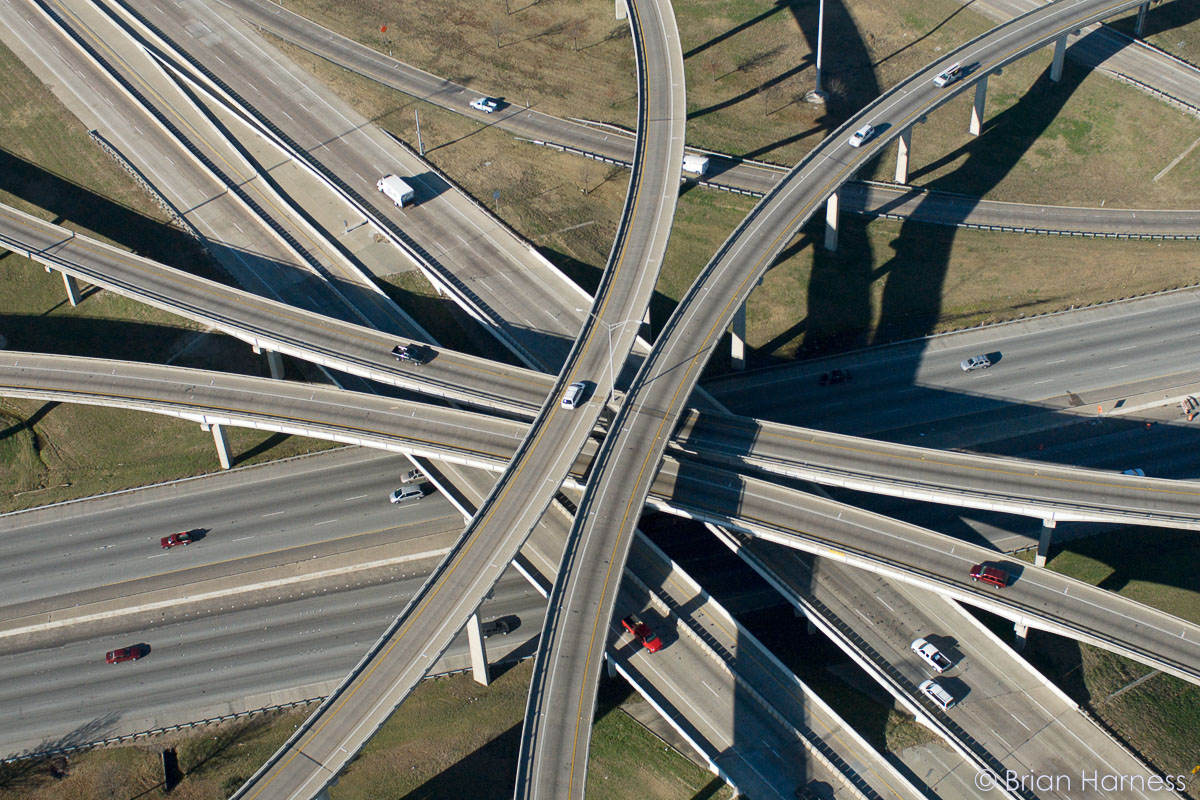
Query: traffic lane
[[351, 511], [1112, 621], [469, 243], [243, 654], [1015, 717], [961, 478], [1038, 362], [307, 335]]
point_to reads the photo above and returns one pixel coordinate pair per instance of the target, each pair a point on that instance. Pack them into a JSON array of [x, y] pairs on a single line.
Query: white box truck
[[397, 190], [695, 165]]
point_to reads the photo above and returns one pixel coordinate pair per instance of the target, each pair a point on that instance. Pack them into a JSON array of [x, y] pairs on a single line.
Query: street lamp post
[[817, 95], [610, 327]]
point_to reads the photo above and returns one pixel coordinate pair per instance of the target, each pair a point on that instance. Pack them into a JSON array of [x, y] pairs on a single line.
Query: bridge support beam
[[221, 442], [275, 364], [479, 663], [737, 340], [610, 668], [274, 361], [831, 222], [977, 109], [72, 287], [1060, 53], [1043, 550], [621, 9], [903, 144], [1022, 632], [1139, 27]]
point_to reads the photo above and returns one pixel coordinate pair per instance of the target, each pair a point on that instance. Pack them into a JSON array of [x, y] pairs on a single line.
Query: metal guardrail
[[183, 726], [163, 203]]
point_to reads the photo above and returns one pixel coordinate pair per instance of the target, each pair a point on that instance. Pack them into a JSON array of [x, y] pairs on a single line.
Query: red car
[[641, 630], [175, 539], [131, 653], [990, 575]]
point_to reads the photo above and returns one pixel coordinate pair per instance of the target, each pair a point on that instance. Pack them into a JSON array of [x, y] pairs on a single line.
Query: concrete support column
[[72, 288], [1043, 550], [610, 668], [1139, 27], [645, 331], [737, 341], [222, 443], [1022, 632], [977, 109], [479, 664], [275, 363], [904, 144], [322, 795], [831, 222], [1060, 53], [810, 627], [621, 10]]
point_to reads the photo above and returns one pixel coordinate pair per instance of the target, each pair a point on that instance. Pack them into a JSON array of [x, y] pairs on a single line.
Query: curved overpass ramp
[[1038, 597], [319, 749], [562, 698]]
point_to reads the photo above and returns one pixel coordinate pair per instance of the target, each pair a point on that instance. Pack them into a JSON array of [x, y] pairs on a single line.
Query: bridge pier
[[904, 144], [1043, 550], [72, 286], [610, 668], [1022, 632], [479, 663], [322, 795], [737, 340], [221, 442], [622, 11], [274, 361], [1060, 53], [1139, 27], [831, 222], [977, 109]]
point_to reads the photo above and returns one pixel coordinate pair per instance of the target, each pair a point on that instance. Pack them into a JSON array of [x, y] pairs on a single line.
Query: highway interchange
[[552, 395]]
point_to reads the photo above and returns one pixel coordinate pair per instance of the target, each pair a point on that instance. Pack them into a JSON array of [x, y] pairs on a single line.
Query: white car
[[573, 396], [949, 75], [485, 104], [861, 135], [931, 655]]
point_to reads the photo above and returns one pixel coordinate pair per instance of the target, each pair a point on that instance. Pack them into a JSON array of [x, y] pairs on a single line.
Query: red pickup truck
[[642, 631]]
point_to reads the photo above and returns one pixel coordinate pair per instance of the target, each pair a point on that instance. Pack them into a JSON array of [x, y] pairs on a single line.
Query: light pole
[[816, 95], [610, 327]]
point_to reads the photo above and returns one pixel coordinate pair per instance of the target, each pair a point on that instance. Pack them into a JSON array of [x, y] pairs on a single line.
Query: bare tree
[[497, 30], [574, 29]]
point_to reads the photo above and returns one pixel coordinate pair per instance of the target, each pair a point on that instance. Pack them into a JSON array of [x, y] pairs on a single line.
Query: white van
[[406, 494], [695, 165], [938, 694]]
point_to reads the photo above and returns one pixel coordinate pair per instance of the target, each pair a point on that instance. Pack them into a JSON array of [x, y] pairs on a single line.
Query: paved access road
[[747, 176], [563, 701]]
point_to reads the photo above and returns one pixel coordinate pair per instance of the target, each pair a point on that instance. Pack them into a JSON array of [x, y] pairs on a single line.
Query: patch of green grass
[[1159, 718], [451, 738], [626, 762]]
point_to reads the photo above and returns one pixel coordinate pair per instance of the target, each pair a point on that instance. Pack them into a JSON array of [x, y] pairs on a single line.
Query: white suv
[[862, 135], [975, 362], [938, 694]]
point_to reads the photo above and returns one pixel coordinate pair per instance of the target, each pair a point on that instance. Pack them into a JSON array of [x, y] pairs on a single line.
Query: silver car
[[861, 135], [975, 362]]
